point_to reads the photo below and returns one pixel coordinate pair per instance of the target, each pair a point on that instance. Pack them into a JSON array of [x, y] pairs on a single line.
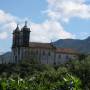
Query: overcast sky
[[48, 19]]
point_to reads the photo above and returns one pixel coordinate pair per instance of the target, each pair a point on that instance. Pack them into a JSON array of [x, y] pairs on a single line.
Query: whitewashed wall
[[62, 58]]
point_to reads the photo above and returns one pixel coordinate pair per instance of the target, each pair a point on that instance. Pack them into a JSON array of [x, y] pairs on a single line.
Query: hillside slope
[[82, 46]]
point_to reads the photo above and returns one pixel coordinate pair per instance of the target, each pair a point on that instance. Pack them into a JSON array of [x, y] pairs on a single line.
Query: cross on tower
[[25, 23]]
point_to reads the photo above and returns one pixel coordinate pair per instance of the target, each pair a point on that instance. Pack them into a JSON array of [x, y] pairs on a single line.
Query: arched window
[[43, 52], [59, 56], [36, 51], [49, 53], [67, 57]]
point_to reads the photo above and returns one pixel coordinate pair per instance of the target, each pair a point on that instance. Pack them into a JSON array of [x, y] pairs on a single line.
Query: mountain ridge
[[82, 46]]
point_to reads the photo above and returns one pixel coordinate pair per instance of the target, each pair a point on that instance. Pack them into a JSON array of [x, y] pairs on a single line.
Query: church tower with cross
[[25, 35], [20, 43]]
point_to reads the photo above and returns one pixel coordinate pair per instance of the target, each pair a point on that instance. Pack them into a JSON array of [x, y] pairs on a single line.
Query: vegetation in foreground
[[74, 75], [47, 80]]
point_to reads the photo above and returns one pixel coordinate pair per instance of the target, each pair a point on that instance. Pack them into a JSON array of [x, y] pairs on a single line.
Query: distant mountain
[[82, 46], [1, 53], [6, 57]]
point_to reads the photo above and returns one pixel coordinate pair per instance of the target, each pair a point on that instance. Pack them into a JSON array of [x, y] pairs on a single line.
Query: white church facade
[[43, 53]]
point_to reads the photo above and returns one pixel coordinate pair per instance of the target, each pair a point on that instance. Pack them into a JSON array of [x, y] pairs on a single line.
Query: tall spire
[[25, 23], [17, 26], [17, 29]]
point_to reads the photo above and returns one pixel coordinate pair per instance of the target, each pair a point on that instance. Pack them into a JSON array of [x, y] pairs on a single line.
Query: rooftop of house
[[40, 45], [51, 46], [66, 50]]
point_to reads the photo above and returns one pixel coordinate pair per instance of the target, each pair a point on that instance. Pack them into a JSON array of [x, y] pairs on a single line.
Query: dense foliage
[[25, 76], [49, 79], [81, 68]]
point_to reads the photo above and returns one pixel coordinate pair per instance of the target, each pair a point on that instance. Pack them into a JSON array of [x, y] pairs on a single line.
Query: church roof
[[40, 45], [50, 46], [66, 50]]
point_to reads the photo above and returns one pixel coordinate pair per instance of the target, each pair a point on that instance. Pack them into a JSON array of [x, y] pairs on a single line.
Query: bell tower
[[15, 45], [20, 45], [25, 35], [16, 34]]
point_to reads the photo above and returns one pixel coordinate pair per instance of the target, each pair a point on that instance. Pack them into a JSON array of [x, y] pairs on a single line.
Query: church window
[[43, 53], [49, 53], [59, 56], [67, 57], [36, 51]]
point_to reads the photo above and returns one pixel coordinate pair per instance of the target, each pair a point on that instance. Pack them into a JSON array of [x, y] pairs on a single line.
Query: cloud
[[3, 35], [66, 9], [7, 24], [47, 31], [43, 32], [82, 35], [51, 28], [6, 17]]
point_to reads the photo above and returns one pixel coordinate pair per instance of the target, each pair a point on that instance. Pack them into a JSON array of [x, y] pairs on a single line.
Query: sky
[[49, 20]]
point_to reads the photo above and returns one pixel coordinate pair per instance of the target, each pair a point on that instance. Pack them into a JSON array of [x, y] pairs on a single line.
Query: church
[[43, 53]]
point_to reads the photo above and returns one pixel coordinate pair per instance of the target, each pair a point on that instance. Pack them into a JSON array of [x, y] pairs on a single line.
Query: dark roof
[[40, 45]]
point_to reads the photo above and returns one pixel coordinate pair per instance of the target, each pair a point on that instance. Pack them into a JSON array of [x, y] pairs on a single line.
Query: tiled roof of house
[[50, 46], [40, 45], [66, 50]]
